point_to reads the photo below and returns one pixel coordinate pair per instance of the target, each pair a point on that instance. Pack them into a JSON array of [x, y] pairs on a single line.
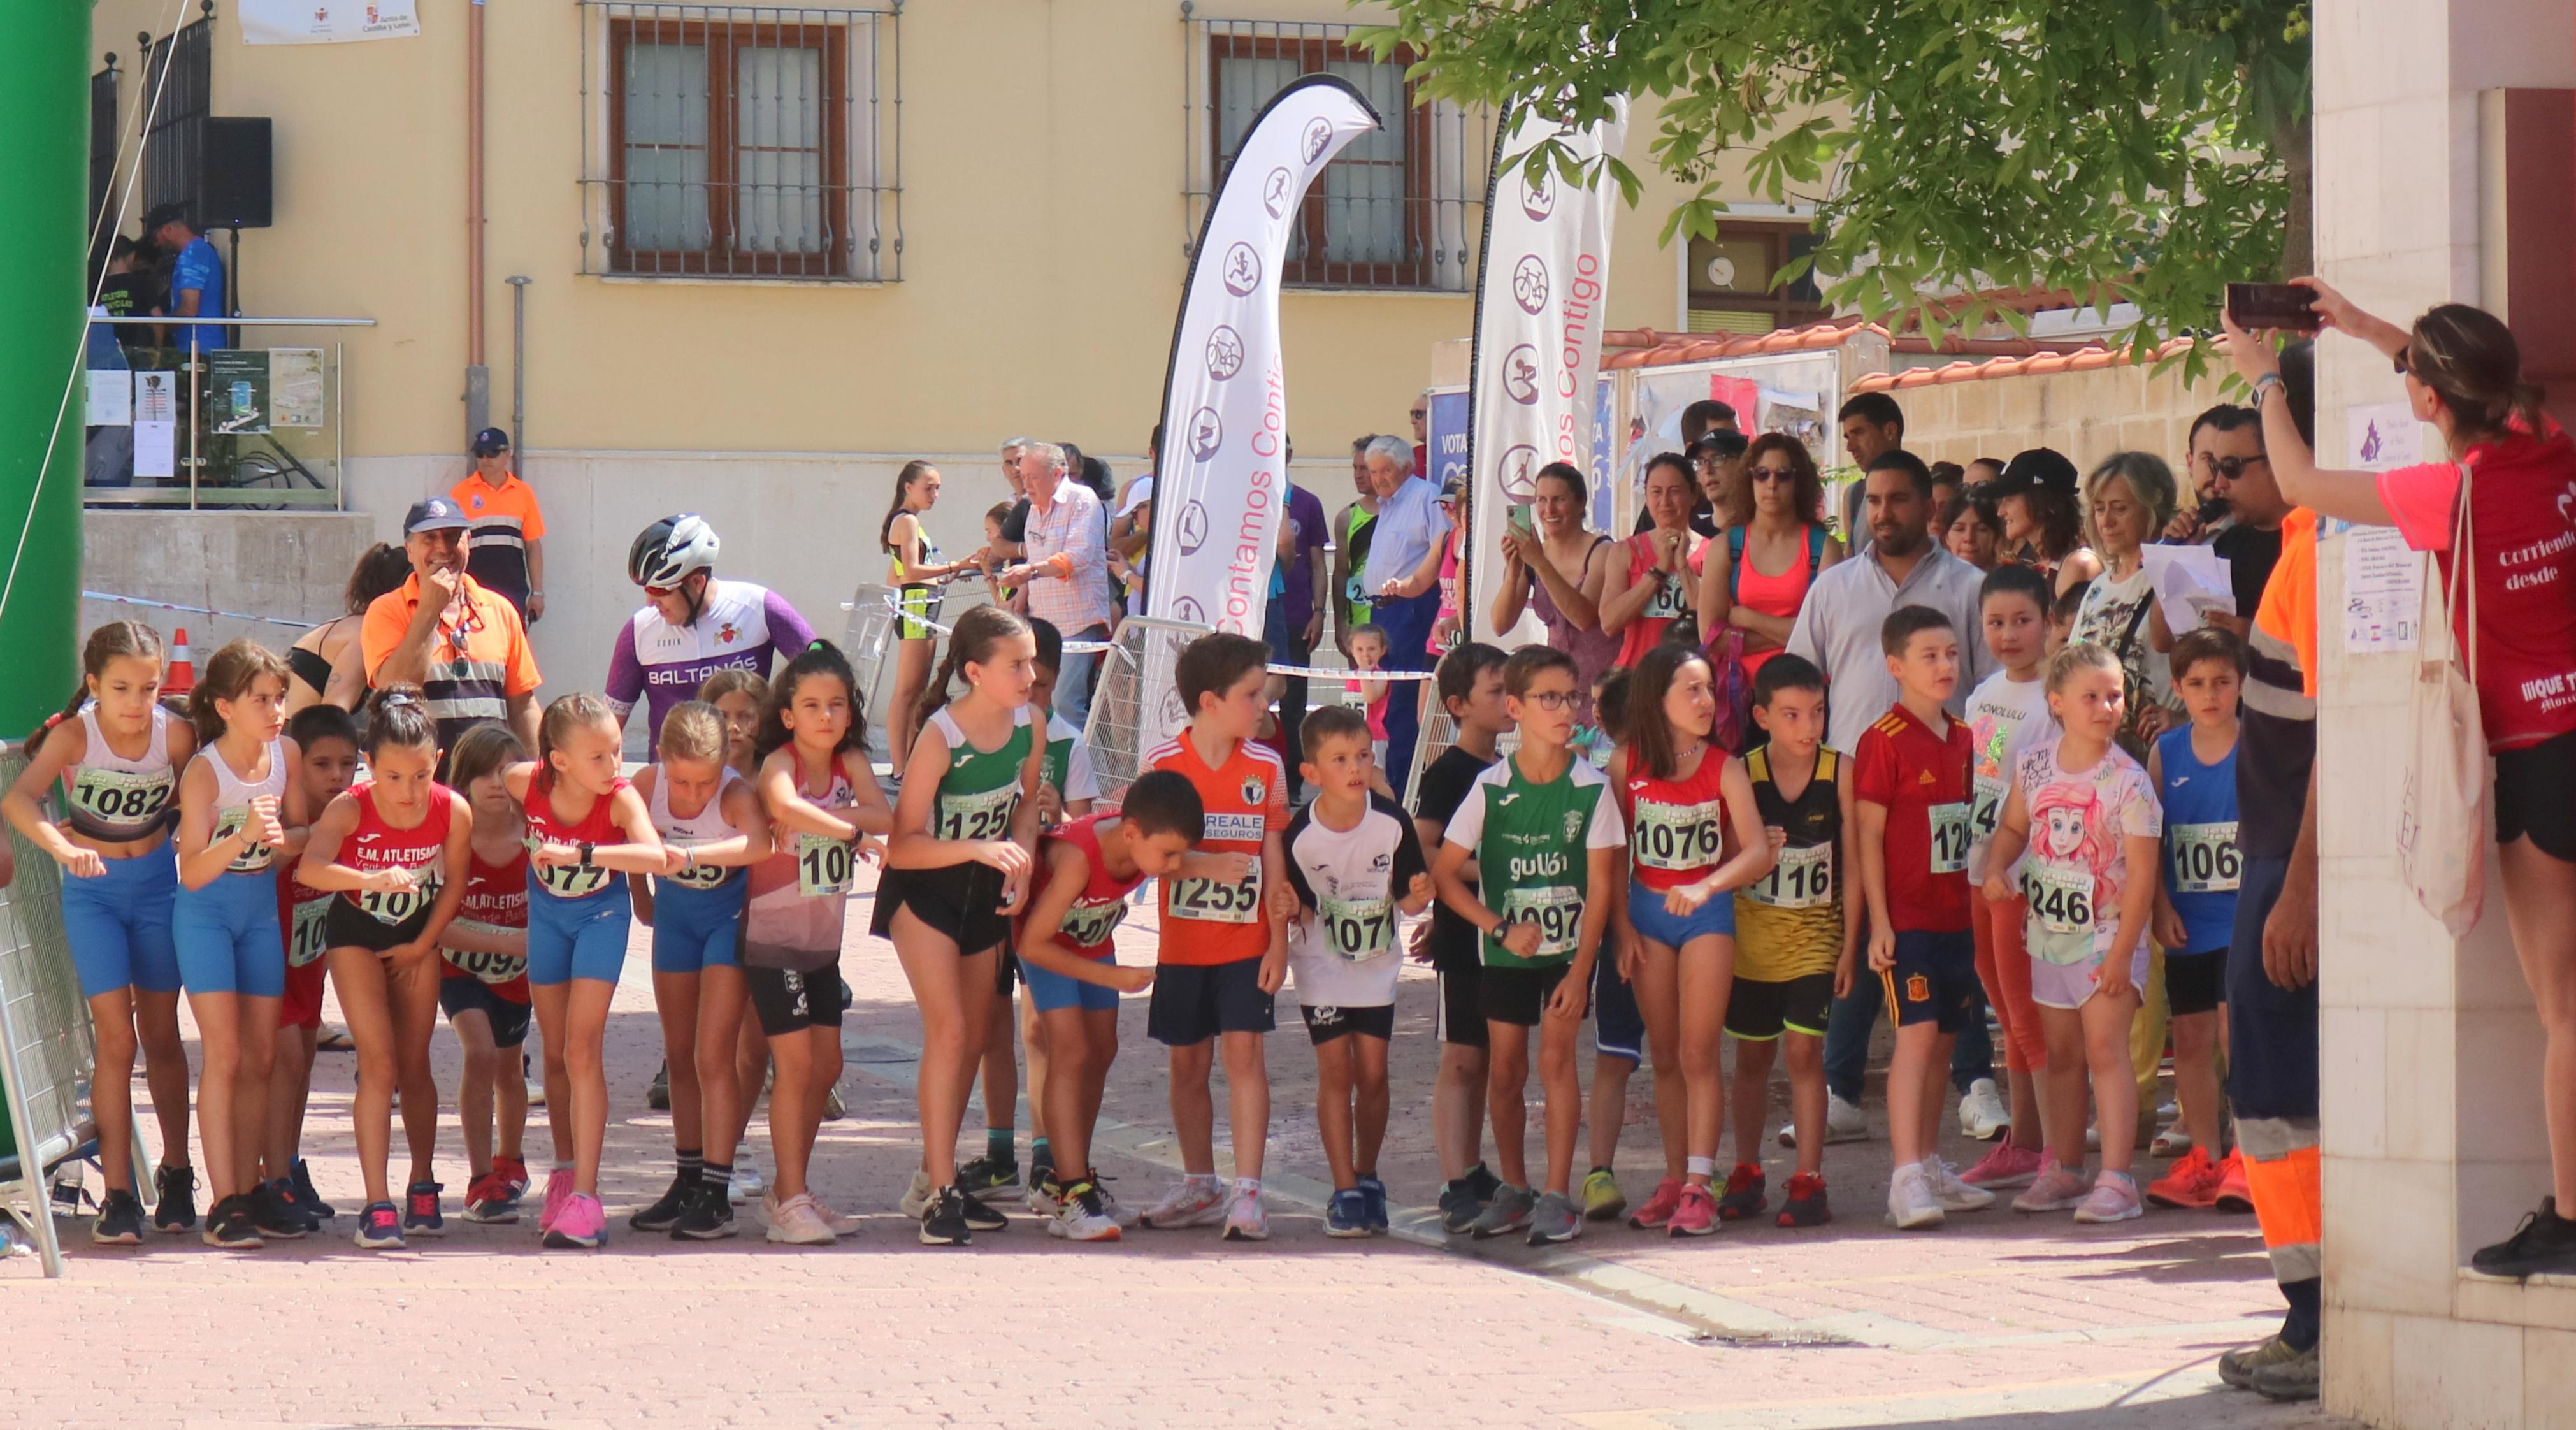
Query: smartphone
[[1519, 518], [2272, 305]]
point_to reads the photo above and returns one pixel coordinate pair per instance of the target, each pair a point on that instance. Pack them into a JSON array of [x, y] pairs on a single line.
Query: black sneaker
[[989, 1176], [421, 1213], [310, 1199], [664, 1214], [120, 1221], [1482, 1183], [274, 1210], [174, 1199], [943, 1222], [980, 1217], [2545, 1241], [229, 1225], [658, 1098], [707, 1215], [1459, 1208]]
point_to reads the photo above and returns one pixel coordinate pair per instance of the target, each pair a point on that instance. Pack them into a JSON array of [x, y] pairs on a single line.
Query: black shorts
[[1519, 995], [1462, 1005], [345, 925], [467, 994], [2195, 982], [1006, 969], [1758, 1012], [1934, 980], [2535, 794], [1194, 1002], [790, 1001], [962, 902], [1325, 1024]]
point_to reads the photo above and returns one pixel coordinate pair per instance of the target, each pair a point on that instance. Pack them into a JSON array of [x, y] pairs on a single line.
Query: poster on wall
[[326, 22], [295, 387], [2383, 582], [237, 390], [156, 424], [111, 398], [1445, 437]]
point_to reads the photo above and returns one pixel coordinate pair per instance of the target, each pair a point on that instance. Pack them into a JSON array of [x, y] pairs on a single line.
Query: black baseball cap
[[2036, 467], [433, 514], [491, 440]]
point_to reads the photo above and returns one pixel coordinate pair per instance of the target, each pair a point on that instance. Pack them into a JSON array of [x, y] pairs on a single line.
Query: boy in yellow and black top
[[1795, 951], [1547, 840]]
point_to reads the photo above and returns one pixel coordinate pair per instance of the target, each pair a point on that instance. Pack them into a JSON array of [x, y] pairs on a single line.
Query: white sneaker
[[916, 1199], [1844, 1122], [1953, 1194], [841, 1223], [1192, 1201], [1080, 1217], [1119, 1212], [1911, 1206], [746, 1186], [1982, 1114], [1245, 1220], [798, 1222]]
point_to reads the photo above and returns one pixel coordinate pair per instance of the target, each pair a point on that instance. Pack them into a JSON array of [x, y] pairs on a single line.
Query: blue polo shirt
[[201, 268], [1409, 523]]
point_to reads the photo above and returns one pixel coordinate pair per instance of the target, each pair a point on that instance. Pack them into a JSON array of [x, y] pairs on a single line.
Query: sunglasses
[[2405, 356], [2230, 467], [1774, 474]]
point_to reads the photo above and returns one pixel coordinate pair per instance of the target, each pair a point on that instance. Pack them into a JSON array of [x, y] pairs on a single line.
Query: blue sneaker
[[380, 1228], [1373, 1192], [1347, 1213]]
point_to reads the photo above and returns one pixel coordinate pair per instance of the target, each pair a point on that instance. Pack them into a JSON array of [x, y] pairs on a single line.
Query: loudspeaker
[[236, 189]]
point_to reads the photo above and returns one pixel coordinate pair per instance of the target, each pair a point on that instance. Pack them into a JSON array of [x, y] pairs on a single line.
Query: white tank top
[[233, 795], [113, 799], [707, 826]]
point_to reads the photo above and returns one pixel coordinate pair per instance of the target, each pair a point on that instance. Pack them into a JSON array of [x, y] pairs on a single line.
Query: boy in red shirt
[[1910, 780]]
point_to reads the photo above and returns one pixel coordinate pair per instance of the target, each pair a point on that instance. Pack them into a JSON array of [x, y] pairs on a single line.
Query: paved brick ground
[[1996, 1322]]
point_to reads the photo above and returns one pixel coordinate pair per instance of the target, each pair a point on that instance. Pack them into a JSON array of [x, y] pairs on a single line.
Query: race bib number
[[1677, 837], [120, 797], [977, 816], [703, 876], [2061, 913], [1802, 879], [1557, 909], [305, 943], [229, 822], [822, 866], [1090, 925], [571, 881], [493, 968], [1949, 838], [1221, 903], [400, 904], [1986, 807], [2205, 858], [1356, 699], [1668, 602], [1357, 929]]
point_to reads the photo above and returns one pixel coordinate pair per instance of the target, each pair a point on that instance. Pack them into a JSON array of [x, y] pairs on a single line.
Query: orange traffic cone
[[182, 675]]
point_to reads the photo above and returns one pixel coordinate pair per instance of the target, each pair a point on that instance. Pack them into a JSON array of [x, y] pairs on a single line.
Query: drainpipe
[[478, 374]]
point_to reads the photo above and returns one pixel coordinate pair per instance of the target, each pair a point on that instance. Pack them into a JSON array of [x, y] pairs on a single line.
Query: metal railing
[[741, 141], [244, 427]]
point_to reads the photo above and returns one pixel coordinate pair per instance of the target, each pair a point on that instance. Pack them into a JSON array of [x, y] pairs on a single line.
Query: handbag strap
[[2463, 535]]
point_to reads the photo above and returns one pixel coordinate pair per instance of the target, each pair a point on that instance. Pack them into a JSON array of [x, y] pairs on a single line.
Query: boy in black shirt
[[1471, 690]]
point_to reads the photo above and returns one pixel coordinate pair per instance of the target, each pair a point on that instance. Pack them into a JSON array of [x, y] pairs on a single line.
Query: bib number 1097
[[1558, 912]]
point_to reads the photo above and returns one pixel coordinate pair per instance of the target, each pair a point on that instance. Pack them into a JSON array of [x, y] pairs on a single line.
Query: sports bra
[[308, 666], [707, 826], [116, 800]]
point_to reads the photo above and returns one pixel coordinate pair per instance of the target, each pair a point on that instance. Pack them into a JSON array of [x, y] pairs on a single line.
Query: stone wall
[[2087, 413], [292, 566]]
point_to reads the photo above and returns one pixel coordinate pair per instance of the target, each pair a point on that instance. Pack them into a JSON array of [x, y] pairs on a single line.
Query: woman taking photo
[[2044, 519], [2463, 374], [323, 665], [915, 571], [1650, 589], [2131, 497], [1557, 571], [1756, 581]]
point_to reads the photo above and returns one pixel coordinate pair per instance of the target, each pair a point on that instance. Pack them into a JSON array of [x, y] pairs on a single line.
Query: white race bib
[[1090, 925], [492, 968], [986, 815], [1219, 903], [571, 881], [2061, 913], [1668, 603], [2205, 858], [1557, 909], [305, 942], [822, 865], [1802, 879], [1678, 838], [396, 907], [229, 822], [1949, 838], [121, 797], [1986, 807], [1357, 929]]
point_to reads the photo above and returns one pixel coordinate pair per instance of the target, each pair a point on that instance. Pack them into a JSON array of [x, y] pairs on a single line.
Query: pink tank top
[[1779, 595]]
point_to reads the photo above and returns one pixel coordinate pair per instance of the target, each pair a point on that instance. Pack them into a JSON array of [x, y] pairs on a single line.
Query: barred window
[[739, 142]]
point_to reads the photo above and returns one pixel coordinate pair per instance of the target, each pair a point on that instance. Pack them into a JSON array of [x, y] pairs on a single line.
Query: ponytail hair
[[913, 471], [564, 715], [1651, 747], [2471, 361], [113, 641], [821, 660], [971, 643], [229, 676], [398, 718]]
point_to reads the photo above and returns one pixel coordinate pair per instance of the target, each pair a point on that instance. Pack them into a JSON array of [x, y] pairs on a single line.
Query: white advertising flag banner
[[1539, 305], [326, 22]]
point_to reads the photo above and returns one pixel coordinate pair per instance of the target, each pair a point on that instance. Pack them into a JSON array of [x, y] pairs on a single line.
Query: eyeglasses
[[1550, 700], [2405, 355], [1774, 474], [2229, 468], [1419, 414]]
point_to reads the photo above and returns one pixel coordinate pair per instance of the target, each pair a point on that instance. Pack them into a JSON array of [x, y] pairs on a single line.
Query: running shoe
[[1659, 1207], [1346, 1215], [1119, 1212], [581, 1226], [1508, 1212], [989, 1176], [1982, 1114], [2055, 1189], [2005, 1166], [1911, 1205], [1041, 1167], [2191, 1183], [943, 1222], [2235, 1192], [979, 1217], [917, 1198], [1192, 1201], [120, 1220], [658, 1096], [664, 1213], [1602, 1199], [1483, 1183], [1079, 1215], [746, 1186], [1556, 1219], [558, 1191], [1694, 1215], [1375, 1192], [229, 1225], [1746, 1190], [1844, 1122], [2114, 1198], [1954, 1194], [2294, 1377], [1045, 1193], [1458, 1208], [311, 1199], [536, 1090], [2239, 1366], [798, 1222], [379, 1228], [422, 1215], [1805, 1204], [2545, 1241], [512, 1170], [488, 1200], [707, 1217], [276, 1214], [174, 1199], [1245, 1218], [834, 1109]]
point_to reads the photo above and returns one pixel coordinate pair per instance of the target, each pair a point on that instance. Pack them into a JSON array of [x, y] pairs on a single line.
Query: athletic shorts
[[789, 1000], [2535, 794], [1462, 1005], [1519, 995], [462, 993], [1326, 1023], [1934, 980], [1194, 1002], [962, 903], [118, 925], [1618, 1029], [1758, 1011], [697, 929], [302, 1006], [2068, 985], [1647, 915], [578, 938], [2195, 982], [1051, 991], [227, 938], [345, 925], [916, 607], [1006, 970]]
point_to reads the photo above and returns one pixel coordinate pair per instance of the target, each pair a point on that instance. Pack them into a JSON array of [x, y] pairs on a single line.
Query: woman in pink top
[[1758, 579], [2463, 374], [1446, 628], [1556, 568], [1651, 589]]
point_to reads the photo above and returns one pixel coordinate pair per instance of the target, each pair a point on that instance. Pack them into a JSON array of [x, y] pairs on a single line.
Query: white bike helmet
[[670, 549]]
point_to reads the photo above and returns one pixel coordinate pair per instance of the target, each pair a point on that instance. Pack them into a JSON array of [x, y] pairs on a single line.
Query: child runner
[[2008, 716], [1066, 948], [240, 808], [396, 849], [2087, 814], [957, 868], [118, 751], [712, 828], [1544, 831], [822, 800], [739, 696], [1368, 653], [1797, 938], [1224, 946], [327, 742], [586, 826], [1356, 864], [1471, 689], [2194, 770], [1683, 797], [484, 987], [1911, 789], [1618, 1029]]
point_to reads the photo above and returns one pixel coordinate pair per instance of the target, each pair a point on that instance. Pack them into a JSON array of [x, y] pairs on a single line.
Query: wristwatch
[[2264, 385], [585, 847]]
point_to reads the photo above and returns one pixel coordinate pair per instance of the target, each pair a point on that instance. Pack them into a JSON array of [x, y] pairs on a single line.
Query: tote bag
[[2443, 817]]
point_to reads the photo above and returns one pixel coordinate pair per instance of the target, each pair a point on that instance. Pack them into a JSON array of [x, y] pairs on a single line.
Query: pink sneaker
[[558, 1189], [2005, 1165], [1695, 1214], [2114, 1198], [2055, 1189], [580, 1226], [1658, 1211]]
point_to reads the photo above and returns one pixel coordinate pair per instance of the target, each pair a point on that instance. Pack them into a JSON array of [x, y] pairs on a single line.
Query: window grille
[[174, 149]]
